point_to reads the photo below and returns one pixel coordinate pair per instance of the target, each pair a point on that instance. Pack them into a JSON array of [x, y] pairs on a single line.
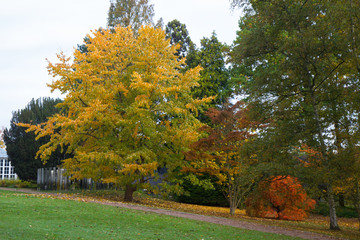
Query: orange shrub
[[280, 197]]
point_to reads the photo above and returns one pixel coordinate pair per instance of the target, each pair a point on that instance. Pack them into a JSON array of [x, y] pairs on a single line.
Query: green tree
[[302, 72], [129, 109], [21, 146], [134, 13], [178, 34], [214, 77]]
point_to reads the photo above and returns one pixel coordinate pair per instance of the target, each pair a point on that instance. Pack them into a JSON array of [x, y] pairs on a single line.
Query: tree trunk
[[129, 190], [232, 207], [232, 201], [333, 219]]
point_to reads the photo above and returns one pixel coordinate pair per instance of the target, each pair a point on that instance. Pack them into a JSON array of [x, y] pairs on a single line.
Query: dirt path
[[217, 220]]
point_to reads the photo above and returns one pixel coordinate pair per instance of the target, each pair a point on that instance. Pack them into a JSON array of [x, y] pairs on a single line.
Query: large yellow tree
[[127, 109]]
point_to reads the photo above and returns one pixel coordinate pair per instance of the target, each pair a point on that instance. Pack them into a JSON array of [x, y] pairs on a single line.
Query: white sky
[[33, 30]]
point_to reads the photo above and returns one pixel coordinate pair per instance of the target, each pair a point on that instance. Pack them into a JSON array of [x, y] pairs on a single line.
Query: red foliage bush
[[280, 197]]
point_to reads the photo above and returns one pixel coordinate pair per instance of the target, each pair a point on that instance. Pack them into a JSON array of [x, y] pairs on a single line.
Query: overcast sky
[[33, 30]]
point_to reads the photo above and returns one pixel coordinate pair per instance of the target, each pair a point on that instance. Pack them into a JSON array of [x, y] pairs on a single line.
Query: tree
[[178, 34], [224, 153], [129, 109], [82, 47], [134, 13], [21, 147], [215, 76], [347, 180], [301, 62], [2, 145], [280, 197]]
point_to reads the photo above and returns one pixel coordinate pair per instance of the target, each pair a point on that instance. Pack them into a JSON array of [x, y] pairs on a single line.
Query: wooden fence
[[55, 179]]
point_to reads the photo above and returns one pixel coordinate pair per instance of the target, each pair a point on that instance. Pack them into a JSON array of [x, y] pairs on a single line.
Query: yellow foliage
[[2, 145], [118, 97]]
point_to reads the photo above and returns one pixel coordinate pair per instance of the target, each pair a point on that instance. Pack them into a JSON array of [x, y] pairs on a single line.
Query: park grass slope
[[28, 216]]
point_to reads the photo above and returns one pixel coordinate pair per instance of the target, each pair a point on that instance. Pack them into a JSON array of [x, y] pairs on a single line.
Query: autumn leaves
[[127, 109]]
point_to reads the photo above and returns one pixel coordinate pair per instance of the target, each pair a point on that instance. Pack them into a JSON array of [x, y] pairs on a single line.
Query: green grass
[[25, 216]]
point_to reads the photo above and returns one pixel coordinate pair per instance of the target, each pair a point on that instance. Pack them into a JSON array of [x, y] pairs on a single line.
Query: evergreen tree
[[178, 34], [214, 77], [22, 147]]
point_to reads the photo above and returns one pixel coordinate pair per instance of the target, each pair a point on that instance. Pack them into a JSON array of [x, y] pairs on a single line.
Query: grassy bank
[[28, 216], [315, 223]]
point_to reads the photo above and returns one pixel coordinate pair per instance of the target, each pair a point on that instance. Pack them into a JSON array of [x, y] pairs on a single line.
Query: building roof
[[3, 153]]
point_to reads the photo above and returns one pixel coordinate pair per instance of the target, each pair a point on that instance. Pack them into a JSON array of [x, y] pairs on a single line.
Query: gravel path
[[217, 220]]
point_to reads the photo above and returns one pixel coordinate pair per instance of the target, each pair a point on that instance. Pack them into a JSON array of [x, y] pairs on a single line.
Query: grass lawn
[[26, 216], [315, 223]]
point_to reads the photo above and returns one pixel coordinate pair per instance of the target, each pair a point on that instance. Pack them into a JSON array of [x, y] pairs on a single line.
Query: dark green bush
[[346, 212], [322, 208], [198, 195]]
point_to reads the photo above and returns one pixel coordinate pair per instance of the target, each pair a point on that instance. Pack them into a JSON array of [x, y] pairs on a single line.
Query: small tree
[[2, 145], [224, 152], [281, 197]]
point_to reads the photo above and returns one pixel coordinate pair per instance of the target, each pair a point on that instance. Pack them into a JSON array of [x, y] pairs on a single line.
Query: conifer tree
[[21, 146], [214, 77], [178, 34]]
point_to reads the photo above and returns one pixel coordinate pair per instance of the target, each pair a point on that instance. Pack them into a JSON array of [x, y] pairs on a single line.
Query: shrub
[[280, 197], [198, 195], [16, 184]]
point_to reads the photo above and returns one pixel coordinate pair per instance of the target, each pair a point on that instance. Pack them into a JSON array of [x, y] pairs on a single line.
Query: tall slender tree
[[133, 13], [302, 65]]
